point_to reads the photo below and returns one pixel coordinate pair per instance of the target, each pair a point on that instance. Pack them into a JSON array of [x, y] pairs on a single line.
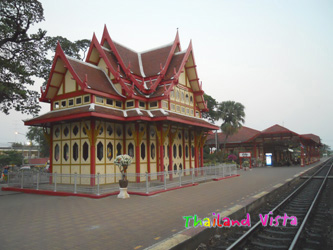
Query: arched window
[[192, 151], [75, 151], [175, 167], [143, 151], [118, 149], [109, 151], [152, 132], [85, 151], [186, 151], [100, 151], [180, 152], [66, 152], [56, 152], [174, 151], [152, 151], [131, 149]]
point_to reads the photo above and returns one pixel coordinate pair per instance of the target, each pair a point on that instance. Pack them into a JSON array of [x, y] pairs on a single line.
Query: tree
[[75, 49], [11, 158], [21, 54], [232, 113], [212, 106], [36, 136]]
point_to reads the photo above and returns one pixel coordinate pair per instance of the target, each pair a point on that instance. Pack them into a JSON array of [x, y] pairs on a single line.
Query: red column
[[137, 152], [92, 153], [161, 153], [51, 150], [190, 147], [51, 153], [255, 154], [195, 153], [201, 156], [184, 151], [170, 155], [148, 150]]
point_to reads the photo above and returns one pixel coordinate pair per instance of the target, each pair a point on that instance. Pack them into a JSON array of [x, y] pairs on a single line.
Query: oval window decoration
[[57, 132], [152, 151], [129, 131], [75, 130], [118, 149], [101, 130], [143, 151], [100, 151], [131, 149], [118, 131], [85, 151], [110, 151], [66, 131], [174, 151], [66, 152], [75, 151], [56, 152], [109, 130]]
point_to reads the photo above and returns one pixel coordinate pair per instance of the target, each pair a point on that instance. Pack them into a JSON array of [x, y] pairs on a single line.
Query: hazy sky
[[274, 57]]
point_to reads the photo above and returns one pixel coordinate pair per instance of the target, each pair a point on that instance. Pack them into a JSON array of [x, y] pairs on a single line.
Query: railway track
[[295, 223]]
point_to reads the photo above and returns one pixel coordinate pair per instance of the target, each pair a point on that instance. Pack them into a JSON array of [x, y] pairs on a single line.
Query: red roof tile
[[243, 135], [129, 57], [96, 78], [152, 60], [312, 137], [277, 129]]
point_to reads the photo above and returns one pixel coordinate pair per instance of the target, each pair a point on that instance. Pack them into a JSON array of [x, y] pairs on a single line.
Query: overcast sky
[[274, 57]]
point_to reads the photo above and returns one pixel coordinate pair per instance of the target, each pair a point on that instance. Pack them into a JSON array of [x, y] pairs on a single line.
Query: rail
[[241, 240]]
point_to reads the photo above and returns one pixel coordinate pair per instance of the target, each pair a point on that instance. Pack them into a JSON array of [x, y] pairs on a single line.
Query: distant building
[[27, 151], [277, 142], [119, 101]]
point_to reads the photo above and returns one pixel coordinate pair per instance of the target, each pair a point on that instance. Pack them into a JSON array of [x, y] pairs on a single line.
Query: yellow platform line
[[260, 194]]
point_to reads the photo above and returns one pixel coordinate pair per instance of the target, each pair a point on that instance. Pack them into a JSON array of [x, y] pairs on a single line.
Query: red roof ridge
[[60, 53]]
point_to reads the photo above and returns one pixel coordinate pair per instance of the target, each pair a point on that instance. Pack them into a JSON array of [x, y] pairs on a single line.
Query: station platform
[[155, 222]]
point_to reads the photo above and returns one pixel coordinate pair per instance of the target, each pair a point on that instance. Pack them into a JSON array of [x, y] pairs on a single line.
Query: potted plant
[[245, 164], [123, 161]]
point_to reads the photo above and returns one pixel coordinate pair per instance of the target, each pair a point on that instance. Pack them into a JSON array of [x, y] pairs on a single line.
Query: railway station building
[[119, 101], [275, 145]]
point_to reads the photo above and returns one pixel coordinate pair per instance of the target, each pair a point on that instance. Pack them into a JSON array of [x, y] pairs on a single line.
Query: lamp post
[[17, 133]]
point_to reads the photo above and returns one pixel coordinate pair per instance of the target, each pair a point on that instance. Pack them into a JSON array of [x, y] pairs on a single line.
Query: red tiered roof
[[148, 76], [244, 134]]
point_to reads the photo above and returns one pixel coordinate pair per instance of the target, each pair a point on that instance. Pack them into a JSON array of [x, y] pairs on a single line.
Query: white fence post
[[180, 178], [55, 182], [165, 180], [147, 184], [22, 178], [75, 181], [37, 180]]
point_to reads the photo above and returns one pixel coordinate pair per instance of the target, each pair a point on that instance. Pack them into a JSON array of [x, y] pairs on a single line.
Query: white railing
[[108, 183]]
